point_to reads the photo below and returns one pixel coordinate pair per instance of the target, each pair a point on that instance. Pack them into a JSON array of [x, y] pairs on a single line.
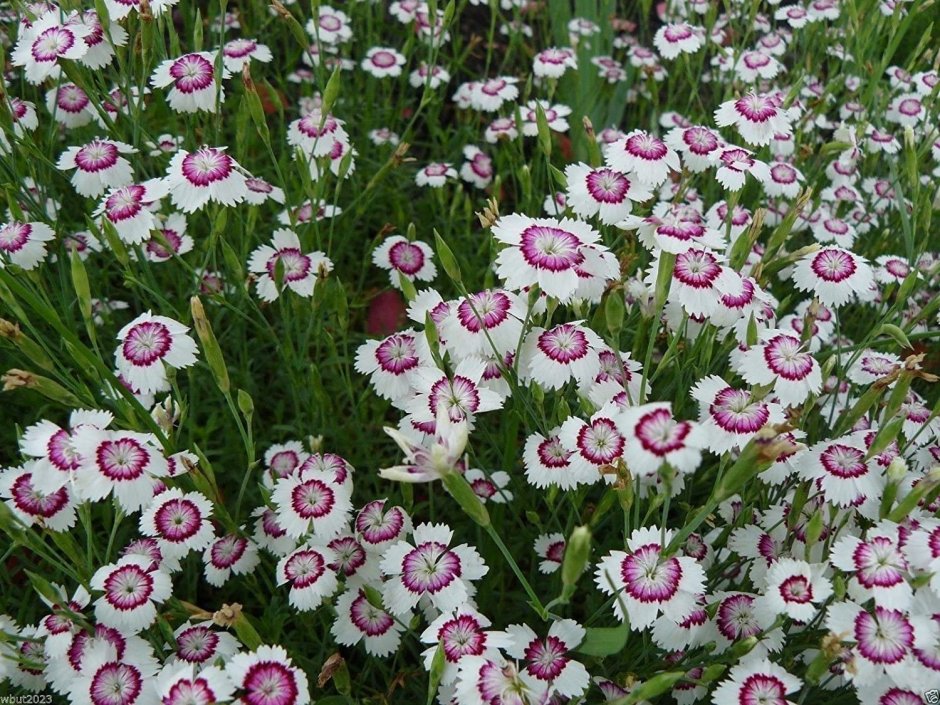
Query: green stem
[[533, 598]]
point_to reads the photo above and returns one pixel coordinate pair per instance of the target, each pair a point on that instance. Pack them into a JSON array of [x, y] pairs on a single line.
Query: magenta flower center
[[53, 42], [697, 269], [755, 108], [196, 644], [192, 73], [843, 462], [178, 520], [370, 620], [96, 156], [785, 358], [35, 503], [383, 59], [269, 683], [607, 186], [661, 434], [124, 203], [115, 684], [305, 568], [878, 563], [762, 689], [462, 636], [207, 166], [600, 442], [123, 459], [406, 258], [563, 344], [884, 637], [648, 578], [146, 343], [734, 411], [547, 658], [295, 265], [312, 499], [128, 587], [430, 568], [554, 249], [14, 235], [833, 265], [646, 147], [459, 396]]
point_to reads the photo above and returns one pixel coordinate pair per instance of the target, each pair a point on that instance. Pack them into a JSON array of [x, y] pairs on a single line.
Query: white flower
[[24, 244], [42, 44], [299, 272], [132, 588], [428, 568], [149, 344], [194, 82], [98, 166], [645, 583], [208, 174]]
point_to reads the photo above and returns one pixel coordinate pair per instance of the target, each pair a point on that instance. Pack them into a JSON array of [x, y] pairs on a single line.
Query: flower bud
[[577, 555], [210, 345], [655, 686], [458, 488]]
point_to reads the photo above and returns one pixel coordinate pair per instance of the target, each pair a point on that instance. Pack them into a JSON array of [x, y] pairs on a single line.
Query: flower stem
[[533, 598]]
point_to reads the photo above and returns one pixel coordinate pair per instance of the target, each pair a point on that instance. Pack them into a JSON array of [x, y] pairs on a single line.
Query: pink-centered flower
[[179, 521], [405, 259], [757, 118], [646, 583], [655, 438], [548, 659], [267, 676], [358, 620], [307, 571], [148, 345], [834, 275], [461, 633], [731, 417], [131, 589], [781, 360], [208, 174], [24, 244], [98, 166], [283, 264], [755, 681], [192, 82], [428, 568], [607, 193]]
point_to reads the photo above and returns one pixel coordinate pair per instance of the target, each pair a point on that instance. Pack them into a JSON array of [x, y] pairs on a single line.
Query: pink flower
[[404, 259], [834, 275], [24, 244], [310, 577], [299, 272], [645, 156], [98, 166], [46, 41], [756, 681]]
